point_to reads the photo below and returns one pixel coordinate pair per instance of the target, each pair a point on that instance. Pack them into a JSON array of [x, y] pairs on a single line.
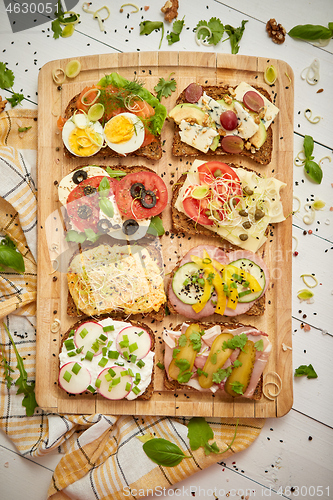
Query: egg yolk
[[118, 130], [84, 142]]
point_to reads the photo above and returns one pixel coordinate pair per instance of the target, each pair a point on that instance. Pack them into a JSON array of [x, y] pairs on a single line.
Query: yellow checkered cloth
[[102, 457]]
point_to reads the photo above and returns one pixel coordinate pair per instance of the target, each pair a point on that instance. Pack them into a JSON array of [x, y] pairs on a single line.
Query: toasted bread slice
[[173, 385], [262, 156], [151, 151], [147, 394]]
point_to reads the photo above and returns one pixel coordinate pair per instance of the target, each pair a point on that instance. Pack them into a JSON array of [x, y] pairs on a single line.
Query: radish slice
[[88, 335], [75, 381], [133, 340], [114, 383]]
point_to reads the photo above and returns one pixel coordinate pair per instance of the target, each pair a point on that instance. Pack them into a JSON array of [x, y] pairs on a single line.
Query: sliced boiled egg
[[82, 139], [124, 133]]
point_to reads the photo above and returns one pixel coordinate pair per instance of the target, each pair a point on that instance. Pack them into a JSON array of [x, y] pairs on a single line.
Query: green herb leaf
[[75, 236], [182, 340], [156, 226], [182, 364], [238, 341], [163, 452], [10, 257], [308, 146], [237, 363], [147, 27], [115, 173], [259, 345], [6, 77], [106, 206], [164, 88], [176, 30], [56, 28], [237, 387], [235, 35], [24, 129], [309, 371], [211, 448], [184, 377], [311, 32], [195, 339], [6, 368], [313, 171], [29, 400], [221, 374], [104, 187], [199, 432], [175, 352], [15, 99], [91, 235], [216, 28]]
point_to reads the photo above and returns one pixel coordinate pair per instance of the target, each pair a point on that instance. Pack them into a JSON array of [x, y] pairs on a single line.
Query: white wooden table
[[292, 457]]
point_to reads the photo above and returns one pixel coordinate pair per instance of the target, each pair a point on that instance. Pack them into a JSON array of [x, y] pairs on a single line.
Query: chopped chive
[[112, 372], [137, 378], [67, 376], [140, 363], [136, 390], [95, 346], [116, 381], [113, 354], [110, 387], [133, 358], [133, 347], [233, 285], [161, 366], [79, 350], [109, 328], [89, 355], [140, 333], [71, 354], [69, 344], [103, 337], [128, 387], [108, 377], [109, 344], [104, 351], [76, 368], [83, 333], [98, 383], [118, 363], [103, 362], [71, 333], [124, 343], [123, 373], [130, 373], [126, 355], [91, 388]]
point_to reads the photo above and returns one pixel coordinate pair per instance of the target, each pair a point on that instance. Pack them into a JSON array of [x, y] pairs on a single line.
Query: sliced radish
[[88, 337], [75, 381], [133, 340], [114, 383]]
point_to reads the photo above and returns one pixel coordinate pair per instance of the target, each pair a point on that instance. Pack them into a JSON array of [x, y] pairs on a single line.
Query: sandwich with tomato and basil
[[226, 201], [113, 118]]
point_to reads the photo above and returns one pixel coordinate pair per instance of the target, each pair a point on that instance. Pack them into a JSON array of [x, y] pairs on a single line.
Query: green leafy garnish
[[259, 345], [7, 368], [312, 32], [195, 339], [221, 374], [23, 129], [235, 35], [106, 206], [215, 32], [177, 27], [147, 27], [163, 452], [156, 226], [311, 168], [175, 352], [238, 341], [15, 99], [164, 88], [29, 400], [182, 340], [182, 364], [237, 387], [309, 371], [184, 377], [6, 82], [237, 363], [115, 174], [199, 433], [65, 18], [10, 257]]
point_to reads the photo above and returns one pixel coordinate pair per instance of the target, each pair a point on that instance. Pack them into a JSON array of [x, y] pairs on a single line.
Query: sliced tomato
[[82, 202], [212, 170], [132, 208], [196, 211]]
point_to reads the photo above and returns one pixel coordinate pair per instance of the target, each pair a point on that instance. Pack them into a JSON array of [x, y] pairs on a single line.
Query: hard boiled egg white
[[83, 141], [124, 133]]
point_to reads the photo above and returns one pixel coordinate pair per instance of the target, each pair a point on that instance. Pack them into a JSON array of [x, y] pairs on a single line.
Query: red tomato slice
[[132, 208], [195, 210], [209, 172], [82, 204]]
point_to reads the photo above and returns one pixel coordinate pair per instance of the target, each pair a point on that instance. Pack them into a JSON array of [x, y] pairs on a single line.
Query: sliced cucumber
[[183, 286], [250, 267]]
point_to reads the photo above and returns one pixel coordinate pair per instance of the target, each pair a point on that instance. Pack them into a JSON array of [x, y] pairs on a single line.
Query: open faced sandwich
[[112, 118], [209, 280], [112, 358], [236, 204], [225, 359], [219, 120]]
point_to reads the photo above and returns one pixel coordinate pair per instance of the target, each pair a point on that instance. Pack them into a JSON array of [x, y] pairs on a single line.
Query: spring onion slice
[[98, 17], [130, 5], [309, 285], [299, 204], [85, 8], [311, 73], [59, 76], [298, 159], [87, 93], [294, 237], [200, 40], [324, 158], [267, 392], [309, 217], [314, 120]]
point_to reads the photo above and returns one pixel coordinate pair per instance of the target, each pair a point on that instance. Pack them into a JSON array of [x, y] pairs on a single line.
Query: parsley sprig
[[164, 88], [6, 82], [212, 31]]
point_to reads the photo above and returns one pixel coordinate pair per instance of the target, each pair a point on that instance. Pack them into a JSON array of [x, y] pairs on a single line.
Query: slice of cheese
[[271, 109], [196, 135]]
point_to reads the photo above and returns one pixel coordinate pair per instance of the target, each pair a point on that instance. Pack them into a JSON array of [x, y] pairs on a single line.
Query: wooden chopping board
[[52, 319]]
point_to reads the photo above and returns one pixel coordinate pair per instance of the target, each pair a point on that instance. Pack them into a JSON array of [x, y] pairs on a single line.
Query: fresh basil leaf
[[147, 27], [199, 433], [313, 171], [309, 371], [91, 235], [115, 173], [104, 187], [10, 257], [311, 32], [235, 35], [163, 452], [106, 206], [75, 236], [308, 146], [211, 448], [156, 226]]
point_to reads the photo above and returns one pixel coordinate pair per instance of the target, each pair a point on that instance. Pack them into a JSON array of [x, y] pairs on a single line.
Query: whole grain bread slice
[[262, 156], [147, 394], [175, 386], [151, 151]]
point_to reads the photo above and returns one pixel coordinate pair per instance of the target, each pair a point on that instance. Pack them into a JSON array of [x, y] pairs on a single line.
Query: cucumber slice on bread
[[185, 283], [244, 293]]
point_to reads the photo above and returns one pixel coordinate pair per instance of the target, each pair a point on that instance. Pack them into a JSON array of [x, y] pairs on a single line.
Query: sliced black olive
[[84, 211], [104, 225], [88, 190], [137, 189], [130, 226], [150, 195], [79, 176]]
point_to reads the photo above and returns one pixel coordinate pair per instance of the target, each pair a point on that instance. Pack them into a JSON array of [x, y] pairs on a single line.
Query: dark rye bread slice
[[262, 156], [147, 394], [152, 151], [173, 385]]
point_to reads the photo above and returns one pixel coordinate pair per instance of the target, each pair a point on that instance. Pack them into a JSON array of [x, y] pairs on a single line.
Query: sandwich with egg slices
[[220, 120], [114, 359], [223, 359], [226, 201], [113, 118]]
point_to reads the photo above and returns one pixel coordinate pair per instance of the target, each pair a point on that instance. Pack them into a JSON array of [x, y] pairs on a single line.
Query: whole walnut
[[276, 31]]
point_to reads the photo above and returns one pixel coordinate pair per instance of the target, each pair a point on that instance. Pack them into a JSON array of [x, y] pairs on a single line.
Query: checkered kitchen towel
[[101, 455]]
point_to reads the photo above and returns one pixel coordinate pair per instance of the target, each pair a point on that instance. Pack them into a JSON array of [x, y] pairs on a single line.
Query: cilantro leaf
[[6, 77], [176, 30], [309, 371], [259, 345], [56, 28], [237, 363], [7, 368], [16, 99], [221, 374], [182, 364], [215, 32], [182, 340], [238, 341], [237, 387], [195, 338], [175, 352], [164, 88], [184, 377], [235, 35]]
